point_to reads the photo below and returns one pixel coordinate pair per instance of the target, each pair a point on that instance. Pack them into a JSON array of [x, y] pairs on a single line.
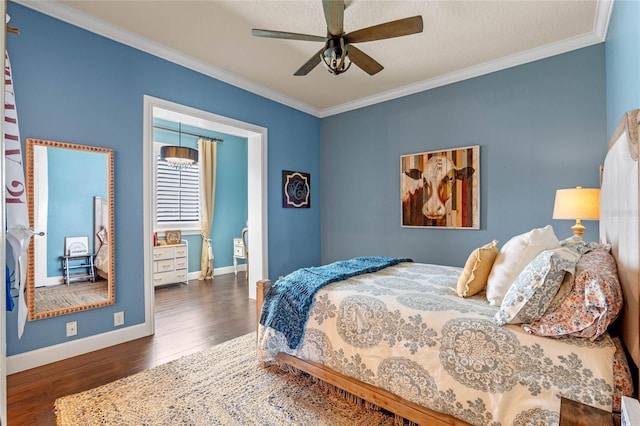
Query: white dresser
[[238, 253], [170, 264]]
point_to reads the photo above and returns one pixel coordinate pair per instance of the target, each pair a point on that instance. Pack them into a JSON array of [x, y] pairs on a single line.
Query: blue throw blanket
[[286, 307]]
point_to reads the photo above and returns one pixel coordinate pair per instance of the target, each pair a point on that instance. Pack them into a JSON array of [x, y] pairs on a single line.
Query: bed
[[101, 236], [402, 337]]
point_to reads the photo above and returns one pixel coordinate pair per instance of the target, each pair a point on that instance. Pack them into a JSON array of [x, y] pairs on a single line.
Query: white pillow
[[514, 256]]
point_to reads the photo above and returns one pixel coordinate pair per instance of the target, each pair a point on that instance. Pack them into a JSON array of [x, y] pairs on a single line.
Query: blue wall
[[230, 208], [623, 61], [75, 177], [540, 127], [74, 86]]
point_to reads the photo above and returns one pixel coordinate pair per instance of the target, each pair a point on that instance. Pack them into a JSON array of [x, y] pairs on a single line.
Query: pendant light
[[179, 156]]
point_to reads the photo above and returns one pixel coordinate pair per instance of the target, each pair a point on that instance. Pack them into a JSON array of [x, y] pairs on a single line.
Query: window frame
[[186, 228]]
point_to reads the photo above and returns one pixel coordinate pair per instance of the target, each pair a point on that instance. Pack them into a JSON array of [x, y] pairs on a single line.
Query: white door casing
[[256, 179]]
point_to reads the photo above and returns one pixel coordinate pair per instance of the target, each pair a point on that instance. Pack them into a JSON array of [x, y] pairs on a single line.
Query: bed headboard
[[619, 221]]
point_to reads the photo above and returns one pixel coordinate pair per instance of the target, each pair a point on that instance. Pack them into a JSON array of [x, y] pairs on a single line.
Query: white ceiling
[[461, 39]]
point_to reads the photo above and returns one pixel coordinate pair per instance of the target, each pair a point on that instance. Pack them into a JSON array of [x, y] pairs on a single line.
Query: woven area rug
[[66, 296], [223, 385]]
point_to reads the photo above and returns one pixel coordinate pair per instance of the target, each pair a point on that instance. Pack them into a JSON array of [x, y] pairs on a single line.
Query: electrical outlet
[[72, 328], [118, 318]]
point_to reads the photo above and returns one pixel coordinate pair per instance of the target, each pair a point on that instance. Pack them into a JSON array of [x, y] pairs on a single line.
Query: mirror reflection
[[71, 256]]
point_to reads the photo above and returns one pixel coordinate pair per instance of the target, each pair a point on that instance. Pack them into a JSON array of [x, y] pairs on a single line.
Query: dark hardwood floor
[[187, 319]]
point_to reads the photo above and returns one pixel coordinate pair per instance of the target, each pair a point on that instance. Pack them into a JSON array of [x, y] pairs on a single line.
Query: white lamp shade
[[577, 203]]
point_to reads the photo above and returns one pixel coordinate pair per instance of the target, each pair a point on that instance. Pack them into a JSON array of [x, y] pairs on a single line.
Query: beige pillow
[[476, 270], [514, 256]]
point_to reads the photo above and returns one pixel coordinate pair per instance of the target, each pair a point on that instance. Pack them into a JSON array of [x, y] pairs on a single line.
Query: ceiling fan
[[339, 52]]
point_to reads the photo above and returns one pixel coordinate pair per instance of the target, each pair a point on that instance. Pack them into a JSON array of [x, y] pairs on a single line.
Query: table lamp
[[577, 203]]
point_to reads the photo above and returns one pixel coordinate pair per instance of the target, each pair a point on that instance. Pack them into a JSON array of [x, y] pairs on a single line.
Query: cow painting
[[440, 189]]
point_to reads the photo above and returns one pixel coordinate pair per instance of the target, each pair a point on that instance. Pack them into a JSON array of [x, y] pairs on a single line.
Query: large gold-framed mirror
[[70, 200]]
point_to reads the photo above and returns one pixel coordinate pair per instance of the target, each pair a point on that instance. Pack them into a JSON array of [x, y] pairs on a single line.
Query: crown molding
[[470, 72], [89, 23], [604, 9], [71, 16]]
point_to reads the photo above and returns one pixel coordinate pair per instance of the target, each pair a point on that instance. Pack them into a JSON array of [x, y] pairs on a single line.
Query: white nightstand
[[238, 253]]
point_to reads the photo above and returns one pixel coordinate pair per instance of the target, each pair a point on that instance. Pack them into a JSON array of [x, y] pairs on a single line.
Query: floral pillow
[[563, 291], [536, 286], [593, 303], [578, 244], [622, 379], [102, 234], [102, 258]]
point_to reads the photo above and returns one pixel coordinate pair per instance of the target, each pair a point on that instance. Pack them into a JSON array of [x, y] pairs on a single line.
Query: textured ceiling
[[461, 39]]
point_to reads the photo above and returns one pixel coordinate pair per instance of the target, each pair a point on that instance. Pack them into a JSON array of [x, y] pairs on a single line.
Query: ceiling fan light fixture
[[335, 57]]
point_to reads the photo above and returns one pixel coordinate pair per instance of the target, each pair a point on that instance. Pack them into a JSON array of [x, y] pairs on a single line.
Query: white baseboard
[[50, 281], [219, 271], [229, 270], [38, 357], [42, 356]]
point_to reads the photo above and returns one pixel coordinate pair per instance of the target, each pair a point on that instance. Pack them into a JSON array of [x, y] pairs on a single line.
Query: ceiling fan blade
[[364, 61], [286, 35], [310, 64], [334, 15], [391, 29]]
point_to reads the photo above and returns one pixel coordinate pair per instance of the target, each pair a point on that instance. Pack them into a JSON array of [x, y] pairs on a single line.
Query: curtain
[[207, 152]]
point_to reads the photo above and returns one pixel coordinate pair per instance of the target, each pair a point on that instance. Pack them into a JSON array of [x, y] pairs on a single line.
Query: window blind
[[177, 193]]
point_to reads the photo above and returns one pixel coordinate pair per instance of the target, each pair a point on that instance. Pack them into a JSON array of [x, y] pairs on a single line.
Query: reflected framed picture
[[76, 246], [296, 190], [441, 189], [173, 237]]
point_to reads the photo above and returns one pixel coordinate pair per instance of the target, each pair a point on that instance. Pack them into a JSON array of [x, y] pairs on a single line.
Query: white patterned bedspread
[[404, 329]]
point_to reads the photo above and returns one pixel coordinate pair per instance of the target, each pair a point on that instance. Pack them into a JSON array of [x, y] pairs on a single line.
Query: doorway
[[256, 179]]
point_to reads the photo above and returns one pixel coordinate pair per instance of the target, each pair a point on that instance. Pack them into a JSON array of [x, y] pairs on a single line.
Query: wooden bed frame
[[616, 218], [380, 397]]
